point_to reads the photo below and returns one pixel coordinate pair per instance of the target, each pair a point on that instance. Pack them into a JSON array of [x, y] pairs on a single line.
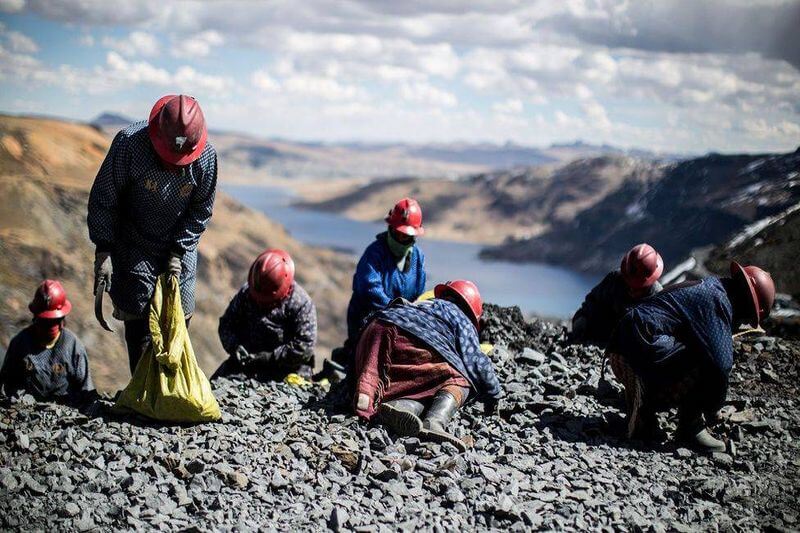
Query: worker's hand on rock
[[174, 266], [242, 355], [102, 270]]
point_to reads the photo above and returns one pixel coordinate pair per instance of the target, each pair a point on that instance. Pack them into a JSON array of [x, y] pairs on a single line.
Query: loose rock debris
[[295, 458]]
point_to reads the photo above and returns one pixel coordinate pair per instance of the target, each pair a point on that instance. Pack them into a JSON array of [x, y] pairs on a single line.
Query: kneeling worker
[[413, 354], [675, 349], [270, 327], [605, 305], [46, 360], [391, 267]]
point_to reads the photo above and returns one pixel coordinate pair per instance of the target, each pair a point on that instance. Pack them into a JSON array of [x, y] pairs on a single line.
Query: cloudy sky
[[670, 75]]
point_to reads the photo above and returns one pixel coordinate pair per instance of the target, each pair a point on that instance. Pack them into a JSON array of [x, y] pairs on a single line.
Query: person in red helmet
[[150, 203], [675, 349], [636, 279], [417, 363], [270, 327], [46, 360], [391, 267]]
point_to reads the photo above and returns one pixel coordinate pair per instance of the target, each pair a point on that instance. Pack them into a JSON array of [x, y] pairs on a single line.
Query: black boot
[[402, 416], [434, 425]]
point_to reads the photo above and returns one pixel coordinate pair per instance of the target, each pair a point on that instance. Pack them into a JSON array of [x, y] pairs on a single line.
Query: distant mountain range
[[257, 159], [492, 206], [585, 214], [695, 203]]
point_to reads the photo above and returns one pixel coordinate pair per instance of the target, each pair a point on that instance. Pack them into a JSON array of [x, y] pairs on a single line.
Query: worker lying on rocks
[[413, 354], [603, 307], [675, 349], [270, 327], [150, 203], [45, 359], [391, 267]]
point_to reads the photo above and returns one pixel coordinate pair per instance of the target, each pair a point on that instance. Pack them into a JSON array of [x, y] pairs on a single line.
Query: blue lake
[[536, 288]]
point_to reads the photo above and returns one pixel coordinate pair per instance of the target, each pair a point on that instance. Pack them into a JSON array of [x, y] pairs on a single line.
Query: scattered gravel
[[294, 458]]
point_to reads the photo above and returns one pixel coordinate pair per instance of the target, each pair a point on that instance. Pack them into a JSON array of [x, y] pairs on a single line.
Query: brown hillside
[[492, 207], [46, 170]]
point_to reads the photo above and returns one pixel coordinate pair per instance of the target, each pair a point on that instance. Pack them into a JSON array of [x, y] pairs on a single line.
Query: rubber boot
[[402, 416], [693, 432], [434, 424]]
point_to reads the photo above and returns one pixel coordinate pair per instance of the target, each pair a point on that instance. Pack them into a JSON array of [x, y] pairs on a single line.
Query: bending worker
[[46, 360], [675, 349], [270, 327], [636, 279], [414, 356], [391, 267], [150, 203]]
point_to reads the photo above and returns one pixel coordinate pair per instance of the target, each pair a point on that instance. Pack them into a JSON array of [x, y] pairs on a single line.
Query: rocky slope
[[491, 207], [696, 203], [46, 170], [290, 458]]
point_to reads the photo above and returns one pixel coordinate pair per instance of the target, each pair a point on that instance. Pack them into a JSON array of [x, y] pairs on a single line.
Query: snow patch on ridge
[[756, 227]]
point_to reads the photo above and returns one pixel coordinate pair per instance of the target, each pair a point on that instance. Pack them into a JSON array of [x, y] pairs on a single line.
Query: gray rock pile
[[294, 458]]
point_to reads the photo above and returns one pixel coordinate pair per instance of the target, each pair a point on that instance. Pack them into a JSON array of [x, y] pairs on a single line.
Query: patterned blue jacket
[[690, 322], [288, 330], [603, 307], [441, 325], [60, 372], [141, 212], [378, 281]]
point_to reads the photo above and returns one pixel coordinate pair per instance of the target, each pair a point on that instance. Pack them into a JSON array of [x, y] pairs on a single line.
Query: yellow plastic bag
[[167, 383]]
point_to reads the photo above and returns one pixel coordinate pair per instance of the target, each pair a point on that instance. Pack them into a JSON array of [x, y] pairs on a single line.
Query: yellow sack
[[427, 295], [167, 383]]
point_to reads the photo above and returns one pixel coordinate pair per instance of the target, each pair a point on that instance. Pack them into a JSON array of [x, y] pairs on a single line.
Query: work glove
[[102, 270], [174, 266]]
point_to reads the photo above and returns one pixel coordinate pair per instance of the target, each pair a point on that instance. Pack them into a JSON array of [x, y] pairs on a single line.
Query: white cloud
[[86, 40], [509, 106], [309, 85], [140, 72], [199, 45], [137, 43], [666, 75], [264, 82], [596, 114], [12, 6], [19, 42], [427, 94], [188, 80]]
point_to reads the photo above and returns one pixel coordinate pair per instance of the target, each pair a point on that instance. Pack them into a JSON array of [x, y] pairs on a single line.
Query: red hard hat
[[641, 266], [467, 292], [760, 287], [177, 129], [406, 217], [50, 300], [271, 277]]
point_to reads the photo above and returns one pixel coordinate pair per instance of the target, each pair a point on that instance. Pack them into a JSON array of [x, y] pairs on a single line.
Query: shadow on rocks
[[605, 429]]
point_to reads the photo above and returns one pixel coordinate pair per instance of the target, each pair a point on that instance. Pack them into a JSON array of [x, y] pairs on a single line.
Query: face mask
[[397, 248], [46, 331]]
